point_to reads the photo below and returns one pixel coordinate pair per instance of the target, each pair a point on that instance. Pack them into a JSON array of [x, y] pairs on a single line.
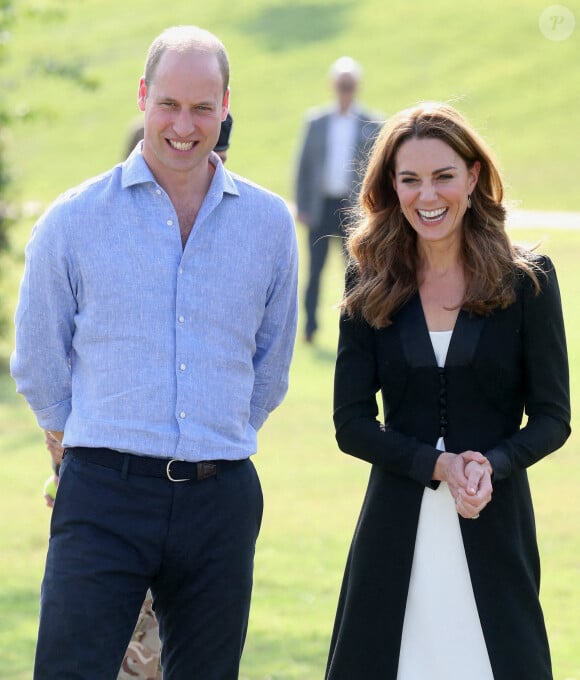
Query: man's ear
[[226, 104], [142, 94]]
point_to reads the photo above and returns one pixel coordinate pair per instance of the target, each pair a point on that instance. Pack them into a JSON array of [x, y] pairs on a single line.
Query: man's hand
[[53, 441]]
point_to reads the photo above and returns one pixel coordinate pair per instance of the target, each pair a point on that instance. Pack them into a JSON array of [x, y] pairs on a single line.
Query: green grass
[[520, 89]]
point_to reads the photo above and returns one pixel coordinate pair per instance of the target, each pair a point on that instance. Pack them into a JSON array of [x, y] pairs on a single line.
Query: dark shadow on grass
[[292, 25]]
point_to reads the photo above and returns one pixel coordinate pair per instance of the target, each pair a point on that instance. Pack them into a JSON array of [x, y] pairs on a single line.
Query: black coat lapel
[[416, 342], [414, 334], [464, 339]]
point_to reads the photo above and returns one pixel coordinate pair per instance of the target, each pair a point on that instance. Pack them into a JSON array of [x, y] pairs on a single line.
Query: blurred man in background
[[331, 158]]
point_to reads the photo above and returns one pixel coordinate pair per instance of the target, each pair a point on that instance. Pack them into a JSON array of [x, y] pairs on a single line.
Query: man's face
[[184, 106], [345, 86]]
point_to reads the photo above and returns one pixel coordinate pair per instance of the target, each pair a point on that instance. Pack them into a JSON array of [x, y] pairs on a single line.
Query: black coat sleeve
[[546, 380], [358, 430]]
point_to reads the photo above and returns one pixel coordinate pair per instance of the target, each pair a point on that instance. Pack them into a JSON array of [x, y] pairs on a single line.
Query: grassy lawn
[[519, 88]]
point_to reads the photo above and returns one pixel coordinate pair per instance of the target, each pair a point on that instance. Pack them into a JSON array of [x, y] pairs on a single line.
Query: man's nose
[[184, 124]]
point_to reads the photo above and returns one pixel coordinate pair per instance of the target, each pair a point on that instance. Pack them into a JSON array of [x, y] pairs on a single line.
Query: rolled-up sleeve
[[44, 320]]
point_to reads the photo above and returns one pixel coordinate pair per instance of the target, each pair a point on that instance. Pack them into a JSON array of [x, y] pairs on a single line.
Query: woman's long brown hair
[[383, 246]]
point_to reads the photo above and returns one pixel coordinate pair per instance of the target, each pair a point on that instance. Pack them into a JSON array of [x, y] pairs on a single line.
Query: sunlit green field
[[522, 91]]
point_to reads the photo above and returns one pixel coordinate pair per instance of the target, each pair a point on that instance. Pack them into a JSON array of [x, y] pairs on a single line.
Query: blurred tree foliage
[[6, 9], [5, 20], [73, 69]]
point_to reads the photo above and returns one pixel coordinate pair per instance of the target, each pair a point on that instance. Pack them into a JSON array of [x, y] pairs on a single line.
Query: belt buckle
[[168, 471]]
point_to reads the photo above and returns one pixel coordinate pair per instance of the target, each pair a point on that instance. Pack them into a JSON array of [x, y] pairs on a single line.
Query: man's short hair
[[345, 66], [185, 39]]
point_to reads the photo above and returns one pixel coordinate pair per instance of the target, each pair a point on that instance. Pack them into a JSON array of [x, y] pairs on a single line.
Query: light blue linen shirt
[[126, 340]]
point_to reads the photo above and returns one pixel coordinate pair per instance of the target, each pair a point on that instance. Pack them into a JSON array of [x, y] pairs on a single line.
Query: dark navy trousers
[[113, 535], [331, 226]]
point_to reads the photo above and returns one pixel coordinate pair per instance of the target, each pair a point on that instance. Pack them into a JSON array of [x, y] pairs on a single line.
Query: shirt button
[[182, 414], [158, 192], [182, 367], [169, 223], [180, 270], [181, 319]]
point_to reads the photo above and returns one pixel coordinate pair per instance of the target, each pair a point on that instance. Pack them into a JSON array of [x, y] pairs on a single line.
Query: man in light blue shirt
[[155, 329]]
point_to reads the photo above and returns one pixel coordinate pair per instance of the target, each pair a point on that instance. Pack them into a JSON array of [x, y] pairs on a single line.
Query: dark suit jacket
[[312, 158], [496, 367]]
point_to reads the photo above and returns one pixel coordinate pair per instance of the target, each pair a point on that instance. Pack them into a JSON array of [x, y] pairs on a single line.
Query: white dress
[[442, 636]]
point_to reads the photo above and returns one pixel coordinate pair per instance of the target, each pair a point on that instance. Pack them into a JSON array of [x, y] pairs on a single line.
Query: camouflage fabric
[[143, 656]]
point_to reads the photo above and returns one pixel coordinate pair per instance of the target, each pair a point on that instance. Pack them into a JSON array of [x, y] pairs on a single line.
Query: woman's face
[[433, 183]]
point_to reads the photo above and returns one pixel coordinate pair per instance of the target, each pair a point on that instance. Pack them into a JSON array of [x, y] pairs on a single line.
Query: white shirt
[[442, 635], [340, 144]]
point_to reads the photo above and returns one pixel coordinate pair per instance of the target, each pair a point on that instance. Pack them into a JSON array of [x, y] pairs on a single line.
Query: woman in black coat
[[462, 333]]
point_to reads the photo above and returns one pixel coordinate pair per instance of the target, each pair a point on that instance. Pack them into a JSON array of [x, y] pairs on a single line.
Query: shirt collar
[[352, 112], [136, 171]]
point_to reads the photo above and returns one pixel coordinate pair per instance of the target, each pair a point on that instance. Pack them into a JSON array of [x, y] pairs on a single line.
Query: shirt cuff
[[258, 417], [54, 417]]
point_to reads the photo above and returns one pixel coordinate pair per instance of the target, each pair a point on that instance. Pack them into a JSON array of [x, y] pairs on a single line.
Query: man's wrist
[[56, 434]]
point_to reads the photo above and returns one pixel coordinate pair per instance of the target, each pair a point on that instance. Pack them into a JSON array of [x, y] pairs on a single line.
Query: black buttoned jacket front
[[498, 368]]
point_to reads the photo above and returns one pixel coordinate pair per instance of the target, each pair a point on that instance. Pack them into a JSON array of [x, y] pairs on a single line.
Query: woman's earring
[[468, 201]]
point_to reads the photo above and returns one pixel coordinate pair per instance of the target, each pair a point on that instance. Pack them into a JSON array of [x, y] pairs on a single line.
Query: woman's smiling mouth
[[432, 215]]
